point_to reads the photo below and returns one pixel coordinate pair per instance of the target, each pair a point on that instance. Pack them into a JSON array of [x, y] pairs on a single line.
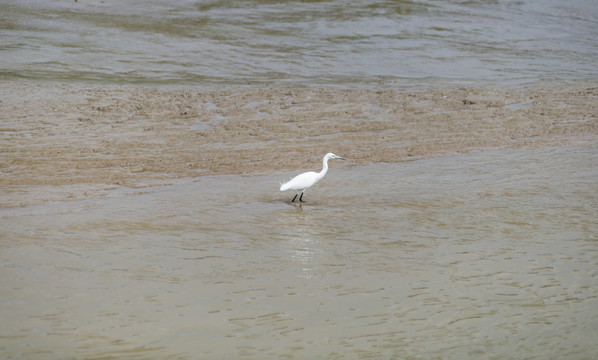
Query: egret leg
[[301, 198], [296, 197]]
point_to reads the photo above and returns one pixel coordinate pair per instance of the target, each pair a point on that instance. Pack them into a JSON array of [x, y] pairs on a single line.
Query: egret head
[[332, 156]]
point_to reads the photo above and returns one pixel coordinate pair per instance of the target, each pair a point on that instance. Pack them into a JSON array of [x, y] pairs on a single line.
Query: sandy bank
[[135, 136]]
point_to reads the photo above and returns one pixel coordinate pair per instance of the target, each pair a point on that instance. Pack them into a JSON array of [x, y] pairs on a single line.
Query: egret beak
[[340, 158]]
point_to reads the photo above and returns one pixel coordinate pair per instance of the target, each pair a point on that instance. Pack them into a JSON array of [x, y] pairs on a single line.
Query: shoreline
[[112, 136]]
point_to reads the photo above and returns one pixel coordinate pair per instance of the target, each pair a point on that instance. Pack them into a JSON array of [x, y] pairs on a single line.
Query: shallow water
[[488, 255], [206, 43]]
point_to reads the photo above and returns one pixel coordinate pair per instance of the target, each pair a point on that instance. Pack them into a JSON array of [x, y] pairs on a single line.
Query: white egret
[[304, 181]]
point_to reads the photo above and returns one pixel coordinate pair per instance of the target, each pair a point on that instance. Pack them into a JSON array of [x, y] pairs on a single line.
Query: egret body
[[304, 181]]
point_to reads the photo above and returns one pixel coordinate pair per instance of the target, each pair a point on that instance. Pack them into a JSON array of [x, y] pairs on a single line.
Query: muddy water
[[486, 255]]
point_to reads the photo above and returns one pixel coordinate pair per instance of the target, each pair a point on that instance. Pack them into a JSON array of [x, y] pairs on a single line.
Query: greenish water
[[299, 43]]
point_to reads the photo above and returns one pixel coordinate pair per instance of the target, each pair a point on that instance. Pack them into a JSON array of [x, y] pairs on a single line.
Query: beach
[[147, 222], [143, 144]]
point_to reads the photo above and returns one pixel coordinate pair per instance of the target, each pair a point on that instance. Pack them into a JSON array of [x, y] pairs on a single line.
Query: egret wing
[[300, 182]]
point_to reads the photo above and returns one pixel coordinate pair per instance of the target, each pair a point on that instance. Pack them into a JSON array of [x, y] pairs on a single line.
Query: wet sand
[[93, 138]]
